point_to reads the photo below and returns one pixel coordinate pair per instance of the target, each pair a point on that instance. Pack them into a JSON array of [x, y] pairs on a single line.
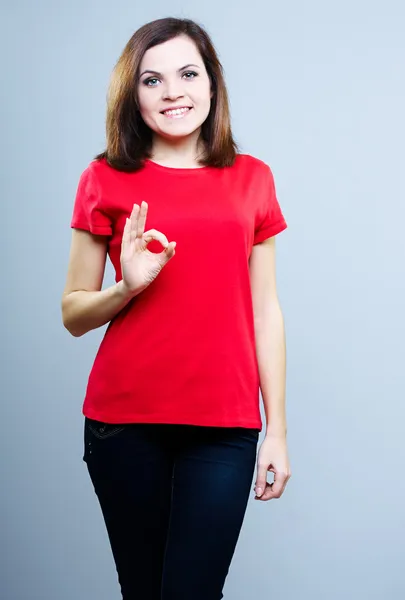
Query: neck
[[177, 153]]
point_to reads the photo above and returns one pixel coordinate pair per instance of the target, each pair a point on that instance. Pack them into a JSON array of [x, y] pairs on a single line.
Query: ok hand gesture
[[139, 266]]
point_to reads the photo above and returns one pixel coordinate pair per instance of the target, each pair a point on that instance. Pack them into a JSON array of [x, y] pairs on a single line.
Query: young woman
[[172, 415]]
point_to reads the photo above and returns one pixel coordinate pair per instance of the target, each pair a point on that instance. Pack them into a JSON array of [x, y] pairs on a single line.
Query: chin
[[173, 133]]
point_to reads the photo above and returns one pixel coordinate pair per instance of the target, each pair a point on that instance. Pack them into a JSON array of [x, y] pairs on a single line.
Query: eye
[[148, 81], [191, 73]]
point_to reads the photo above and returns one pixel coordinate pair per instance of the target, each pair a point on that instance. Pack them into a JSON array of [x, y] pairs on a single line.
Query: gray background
[[317, 90]]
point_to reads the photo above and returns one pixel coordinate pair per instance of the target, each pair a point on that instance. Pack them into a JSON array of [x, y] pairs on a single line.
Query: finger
[[134, 221], [126, 236], [169, 252], [154, 234], [142, 219], [276, 488], [261, 480]]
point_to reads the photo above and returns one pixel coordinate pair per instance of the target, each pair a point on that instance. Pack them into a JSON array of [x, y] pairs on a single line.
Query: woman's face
[[173, 76]]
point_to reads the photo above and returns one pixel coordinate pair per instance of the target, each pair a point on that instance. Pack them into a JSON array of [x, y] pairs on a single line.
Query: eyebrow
[[178, 70]]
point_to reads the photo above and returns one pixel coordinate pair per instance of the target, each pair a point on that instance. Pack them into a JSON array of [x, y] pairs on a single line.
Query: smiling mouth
[[177, 113]]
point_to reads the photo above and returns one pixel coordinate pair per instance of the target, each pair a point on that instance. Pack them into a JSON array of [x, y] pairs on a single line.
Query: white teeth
[[178, 111]]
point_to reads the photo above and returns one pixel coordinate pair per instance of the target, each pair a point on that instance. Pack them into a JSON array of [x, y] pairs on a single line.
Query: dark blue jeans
[[173, 499]]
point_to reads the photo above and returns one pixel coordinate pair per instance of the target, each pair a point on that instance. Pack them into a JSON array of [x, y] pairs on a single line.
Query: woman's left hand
[[273, 457]]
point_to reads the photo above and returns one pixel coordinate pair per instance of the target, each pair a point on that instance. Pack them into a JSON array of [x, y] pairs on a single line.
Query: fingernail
[[259, 492]]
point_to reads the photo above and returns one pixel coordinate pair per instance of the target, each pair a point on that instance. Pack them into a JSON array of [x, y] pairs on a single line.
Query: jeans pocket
[[103, 430], [94, 434]]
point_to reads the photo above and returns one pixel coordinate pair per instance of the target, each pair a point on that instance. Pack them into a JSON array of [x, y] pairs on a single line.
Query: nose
[[173, 90]]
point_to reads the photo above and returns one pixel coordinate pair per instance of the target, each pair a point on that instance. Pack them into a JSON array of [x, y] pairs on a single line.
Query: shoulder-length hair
[[128, 138]]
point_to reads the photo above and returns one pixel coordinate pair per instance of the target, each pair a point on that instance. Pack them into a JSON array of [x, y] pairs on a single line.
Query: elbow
[[68, 320], [70, 327], [74, 332], [270, 310]]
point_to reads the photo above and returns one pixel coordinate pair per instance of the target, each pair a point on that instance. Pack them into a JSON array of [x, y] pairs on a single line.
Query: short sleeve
[[88, 212], [270, 220]]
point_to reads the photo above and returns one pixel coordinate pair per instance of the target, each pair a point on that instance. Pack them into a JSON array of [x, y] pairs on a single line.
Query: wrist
[[279, 431], [124, 292]]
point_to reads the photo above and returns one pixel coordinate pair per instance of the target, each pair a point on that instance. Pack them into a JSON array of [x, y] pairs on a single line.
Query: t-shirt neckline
[[176, 170]]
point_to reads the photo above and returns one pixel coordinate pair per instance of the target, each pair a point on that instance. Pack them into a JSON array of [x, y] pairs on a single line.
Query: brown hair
[[129, 139]]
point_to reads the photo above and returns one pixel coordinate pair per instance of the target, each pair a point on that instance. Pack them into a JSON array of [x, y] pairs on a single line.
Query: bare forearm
[[84, 310], [271, 356]]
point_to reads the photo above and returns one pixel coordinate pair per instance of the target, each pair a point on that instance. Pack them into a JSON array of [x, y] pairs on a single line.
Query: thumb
[[170, 250], [261, 480]]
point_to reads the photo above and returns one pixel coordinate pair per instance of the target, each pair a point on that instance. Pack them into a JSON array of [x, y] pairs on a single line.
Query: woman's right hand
[[139, 266]]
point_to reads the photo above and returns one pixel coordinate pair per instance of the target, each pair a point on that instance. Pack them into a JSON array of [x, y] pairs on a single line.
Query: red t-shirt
[[183, 350]]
